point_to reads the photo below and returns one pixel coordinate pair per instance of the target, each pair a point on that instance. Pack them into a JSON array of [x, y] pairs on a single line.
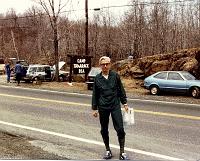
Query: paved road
[[62, 124]]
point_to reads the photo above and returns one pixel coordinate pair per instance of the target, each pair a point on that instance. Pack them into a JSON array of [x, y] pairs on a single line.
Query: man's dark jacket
[[108, 93]]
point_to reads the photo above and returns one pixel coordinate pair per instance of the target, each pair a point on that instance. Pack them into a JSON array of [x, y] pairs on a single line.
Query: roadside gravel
[[18, 147]]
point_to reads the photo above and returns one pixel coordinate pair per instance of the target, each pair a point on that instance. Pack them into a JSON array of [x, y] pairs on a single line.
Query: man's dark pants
[[8, 77], [18, 77], [117, 123]]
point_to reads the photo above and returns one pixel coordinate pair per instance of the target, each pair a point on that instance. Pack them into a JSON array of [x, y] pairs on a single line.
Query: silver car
[[173, 81], [91, 75]]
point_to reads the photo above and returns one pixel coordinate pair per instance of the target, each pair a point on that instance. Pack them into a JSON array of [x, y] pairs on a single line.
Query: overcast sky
[[21, 5]]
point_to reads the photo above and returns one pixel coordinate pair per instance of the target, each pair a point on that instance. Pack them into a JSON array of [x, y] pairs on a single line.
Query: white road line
[[88, 141], [47, 90], [165, 102], [82, 94]]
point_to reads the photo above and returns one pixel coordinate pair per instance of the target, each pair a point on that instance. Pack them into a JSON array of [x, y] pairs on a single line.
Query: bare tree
[[50, 9], [157, 26]]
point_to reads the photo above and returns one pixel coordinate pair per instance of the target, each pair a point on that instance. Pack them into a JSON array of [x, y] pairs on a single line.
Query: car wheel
[[62, 78], [37, 80], [154, 90], [195, 92]]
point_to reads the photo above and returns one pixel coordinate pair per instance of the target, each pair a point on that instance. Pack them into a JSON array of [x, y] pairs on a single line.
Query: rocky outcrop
[[185, 60]]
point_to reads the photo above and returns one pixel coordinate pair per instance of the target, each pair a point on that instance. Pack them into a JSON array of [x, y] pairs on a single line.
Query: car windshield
[[188, 76], [94, 71]]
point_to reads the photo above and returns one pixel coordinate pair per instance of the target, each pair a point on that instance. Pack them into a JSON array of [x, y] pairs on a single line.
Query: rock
[[187, 60], [136, 72], [158, 66], [190, 65]]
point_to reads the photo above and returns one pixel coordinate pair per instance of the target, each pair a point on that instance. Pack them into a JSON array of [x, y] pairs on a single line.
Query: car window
[[33, 69], [188, 76], [40, 69], [52, 69], [174, 76], [47, 68], [161, 75], [94, 71]]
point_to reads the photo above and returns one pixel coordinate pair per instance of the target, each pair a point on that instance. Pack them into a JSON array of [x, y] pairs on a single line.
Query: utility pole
[[13, 39], [86, 27]]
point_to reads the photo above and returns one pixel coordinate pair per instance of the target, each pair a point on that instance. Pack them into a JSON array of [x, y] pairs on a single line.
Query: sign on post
[[81, 64]]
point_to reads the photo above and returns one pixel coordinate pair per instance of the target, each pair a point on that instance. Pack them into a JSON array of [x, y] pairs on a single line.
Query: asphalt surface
[[61, 124], [166, 126]]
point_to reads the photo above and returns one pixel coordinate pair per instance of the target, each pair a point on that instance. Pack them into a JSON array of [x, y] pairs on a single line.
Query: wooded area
[[146, 29]]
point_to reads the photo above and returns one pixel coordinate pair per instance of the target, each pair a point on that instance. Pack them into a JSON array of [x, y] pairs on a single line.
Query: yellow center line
[[88, 105], [46, 100], [169, 114]]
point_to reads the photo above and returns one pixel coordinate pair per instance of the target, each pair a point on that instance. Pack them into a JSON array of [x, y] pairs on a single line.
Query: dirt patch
[[134, 86], [17, 147]]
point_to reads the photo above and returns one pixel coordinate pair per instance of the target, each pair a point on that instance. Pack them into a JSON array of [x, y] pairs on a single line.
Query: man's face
[[105, 67]]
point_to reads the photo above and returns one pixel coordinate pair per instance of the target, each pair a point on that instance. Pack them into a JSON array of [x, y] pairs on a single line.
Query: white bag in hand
[[128, 116]]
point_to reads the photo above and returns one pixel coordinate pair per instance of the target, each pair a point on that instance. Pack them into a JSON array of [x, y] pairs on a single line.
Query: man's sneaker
[[123, 156], [108, 155]]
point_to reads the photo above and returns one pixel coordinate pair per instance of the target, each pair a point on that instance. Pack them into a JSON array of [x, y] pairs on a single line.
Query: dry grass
[[61, 86], [130, 85], [133, 86]]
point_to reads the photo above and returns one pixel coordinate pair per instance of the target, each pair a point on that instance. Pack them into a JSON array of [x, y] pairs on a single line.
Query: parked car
[[173, 81], [38, 72], [2, 66], [24, 65], [63, 75], [91, 75]]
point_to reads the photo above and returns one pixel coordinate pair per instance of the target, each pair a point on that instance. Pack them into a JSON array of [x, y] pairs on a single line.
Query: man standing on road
[[8, 71], [18, 72], [108, 92]]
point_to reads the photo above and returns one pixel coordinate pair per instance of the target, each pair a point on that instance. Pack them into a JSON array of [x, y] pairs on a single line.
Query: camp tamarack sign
[[81, 64]]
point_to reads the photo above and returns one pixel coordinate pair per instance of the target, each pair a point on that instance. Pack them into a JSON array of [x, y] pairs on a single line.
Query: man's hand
[[95, 113], [126, 107]]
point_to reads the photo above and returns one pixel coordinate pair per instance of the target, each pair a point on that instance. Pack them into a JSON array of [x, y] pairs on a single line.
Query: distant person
[[108, 92], [23, 72], [18, 72], [8, 71], [47, 73]]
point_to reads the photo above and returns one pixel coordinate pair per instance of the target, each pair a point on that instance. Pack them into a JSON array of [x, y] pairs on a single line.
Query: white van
[[2, 66], [38, 72]]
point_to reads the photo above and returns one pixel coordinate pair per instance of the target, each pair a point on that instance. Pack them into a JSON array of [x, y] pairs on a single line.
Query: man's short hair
[[104, 59]]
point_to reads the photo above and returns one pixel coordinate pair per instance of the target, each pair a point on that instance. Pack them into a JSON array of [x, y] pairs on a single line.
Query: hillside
[[185, 60]]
